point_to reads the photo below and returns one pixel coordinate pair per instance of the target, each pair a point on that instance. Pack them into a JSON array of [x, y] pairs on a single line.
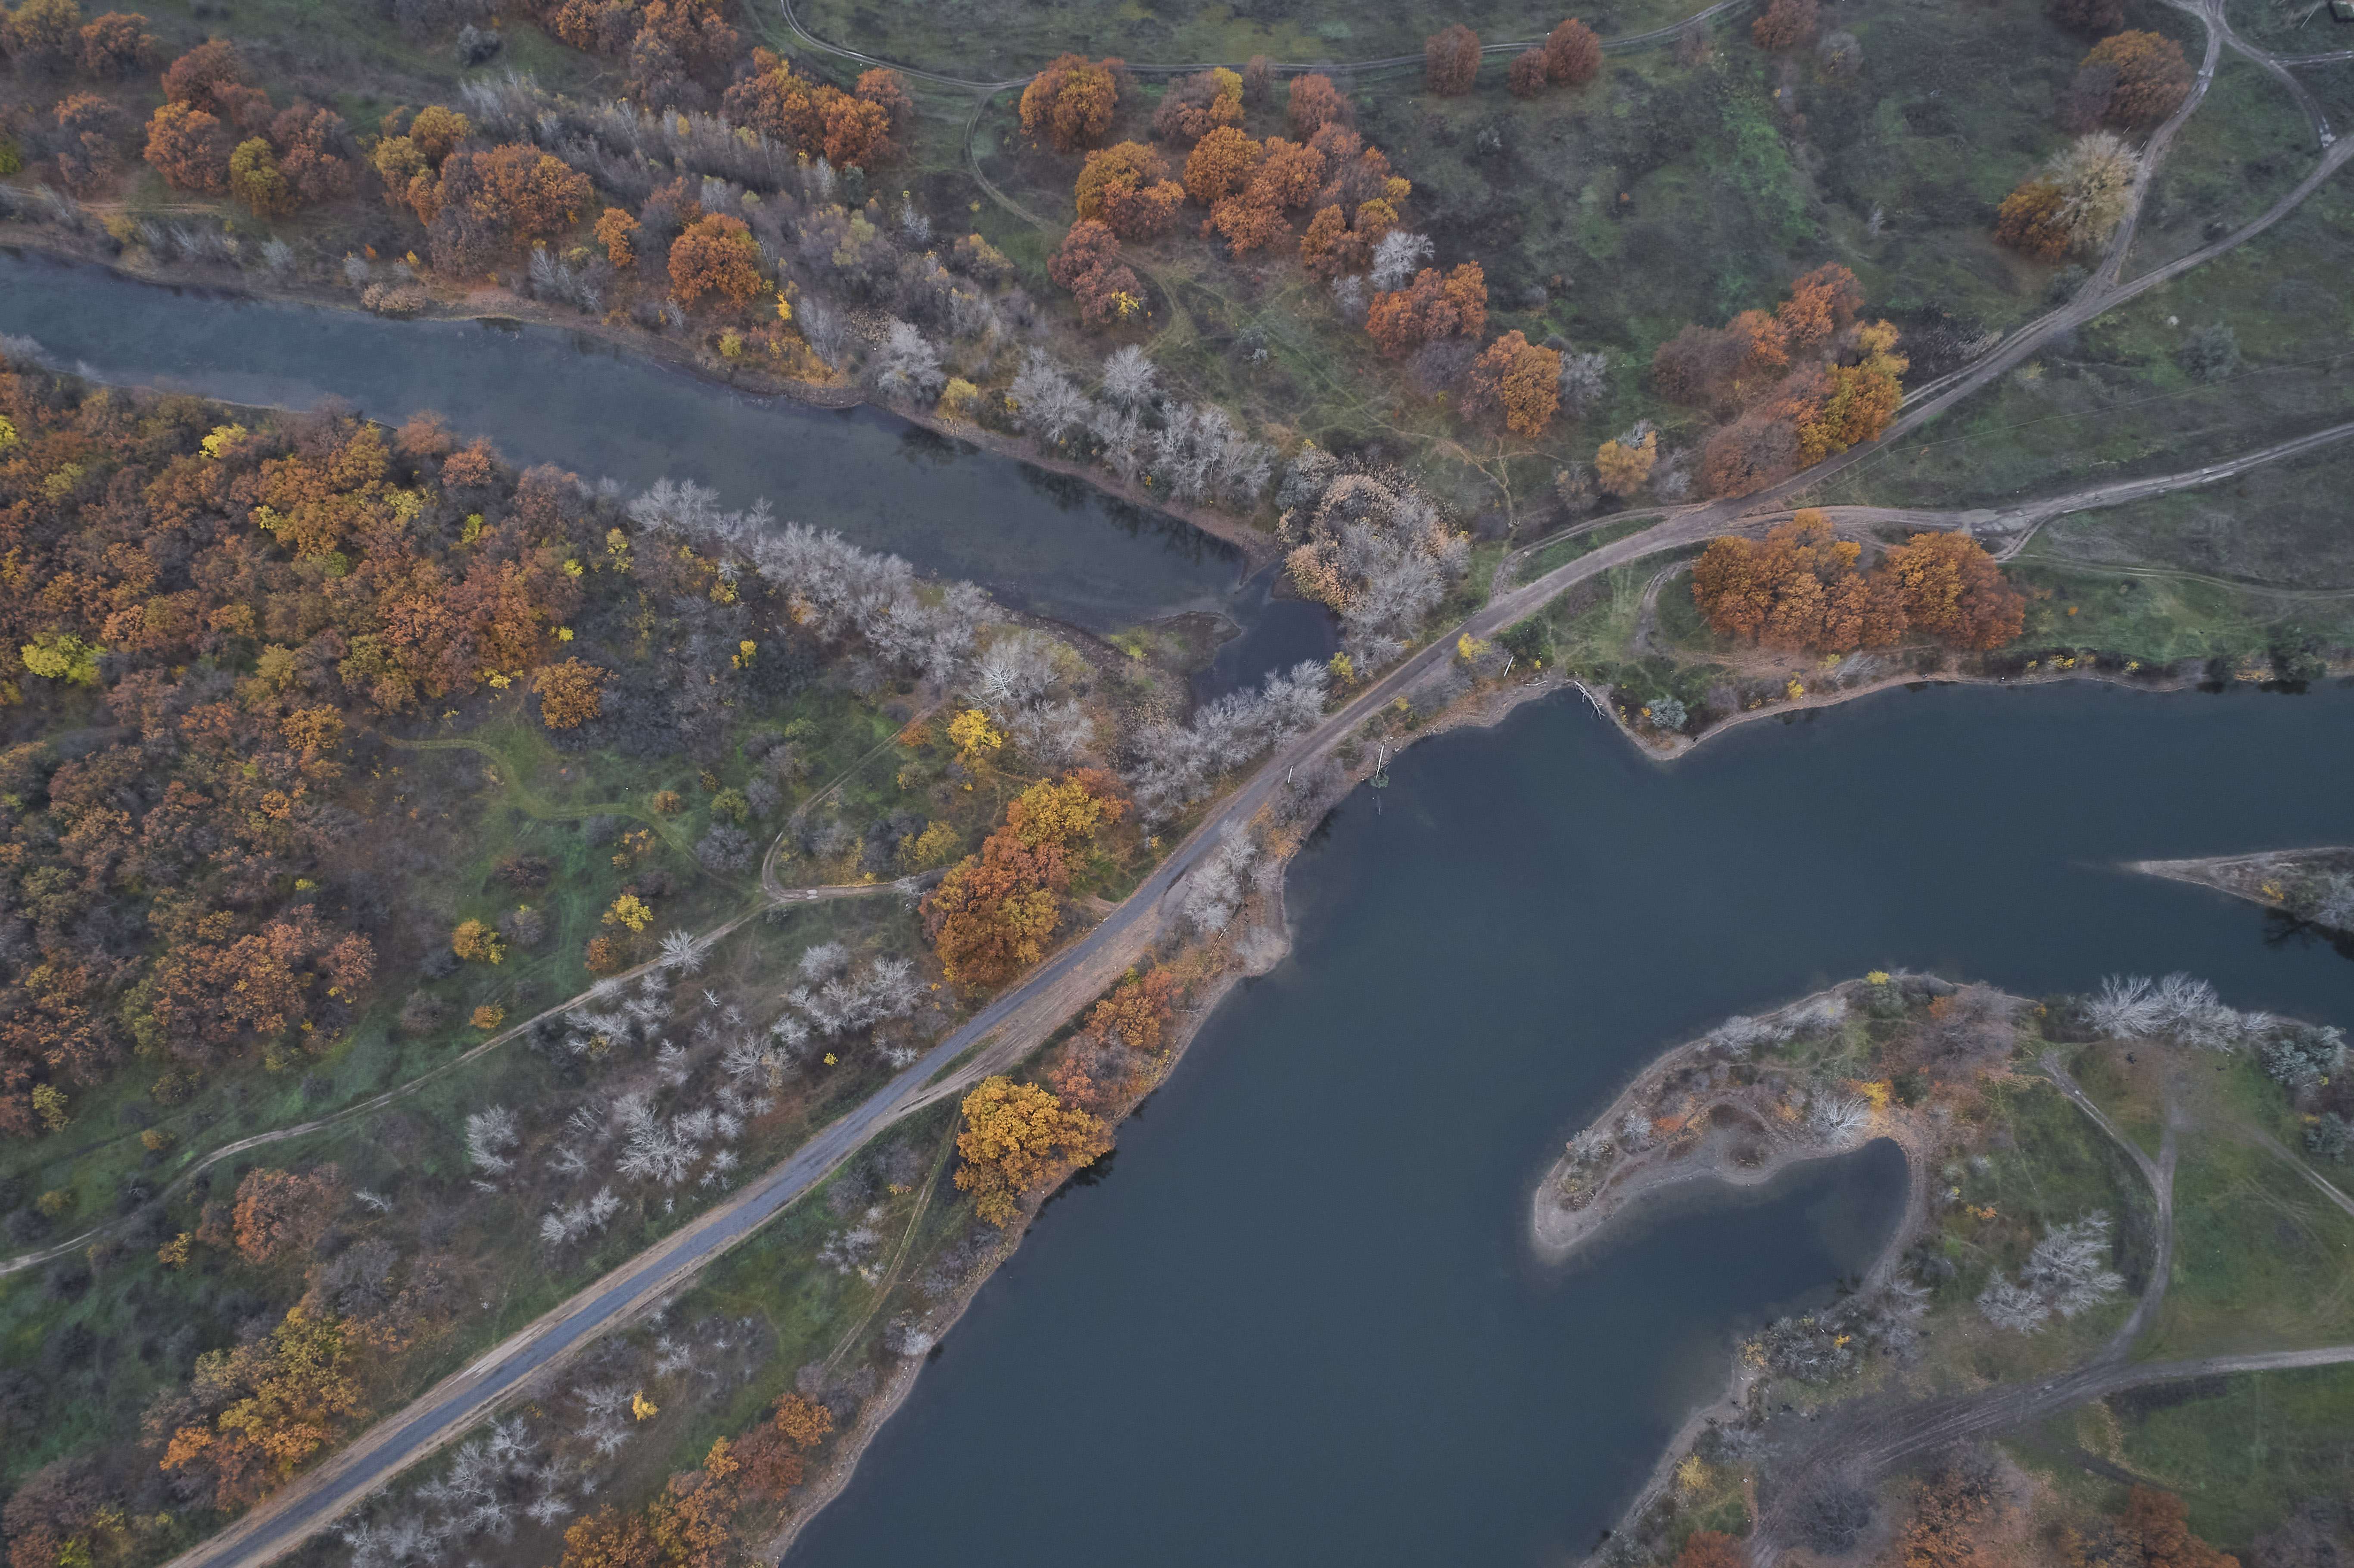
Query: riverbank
[[496, 307]]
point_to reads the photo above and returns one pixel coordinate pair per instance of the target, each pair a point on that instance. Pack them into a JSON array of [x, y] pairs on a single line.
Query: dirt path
[[1860, 1443], [1871, 1441], [2160, 1174]]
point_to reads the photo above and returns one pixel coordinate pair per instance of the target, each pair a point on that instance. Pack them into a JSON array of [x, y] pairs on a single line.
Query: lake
[[1298, 1322]]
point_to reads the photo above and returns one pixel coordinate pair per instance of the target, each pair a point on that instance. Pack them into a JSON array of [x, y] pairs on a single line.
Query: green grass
[[2241, 151], [2114, 403], [2243, 1452], [2261, 1260]]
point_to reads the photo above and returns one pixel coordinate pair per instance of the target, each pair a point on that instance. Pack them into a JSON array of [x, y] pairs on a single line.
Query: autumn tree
[[2031, 221], [1822, 304], [1451, 60], [617, 232], [40, 35], [993, 913], [1623, 466], [281, 1211], [1071, 102], [1196, 105], [611, 1538], [1520, 379], [255, 180], [1127, 187], [310, 144], [1786, 24], [89, 136], [1435, 305], [2158, 1523], [1797, 588], [772, 1454], [1858, 399], [1313, 102], [263, 1408], [715, 255], [1526, 76], [117, 44], [214, 77], [487, 203], [189, 148], [2146, 76], [1573, 54], [1221, 164], [1087, 263], [1018, 1140], [1952, 589]]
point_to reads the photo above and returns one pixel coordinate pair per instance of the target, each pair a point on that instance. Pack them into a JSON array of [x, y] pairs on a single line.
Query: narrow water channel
[[1298, 1323], [1038, 541]]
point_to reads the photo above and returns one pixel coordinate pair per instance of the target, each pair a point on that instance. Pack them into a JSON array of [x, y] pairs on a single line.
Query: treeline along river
[[1038, 541]]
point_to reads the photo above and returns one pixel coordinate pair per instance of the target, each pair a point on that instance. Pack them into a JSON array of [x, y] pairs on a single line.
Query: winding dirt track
[[1015, 1024]]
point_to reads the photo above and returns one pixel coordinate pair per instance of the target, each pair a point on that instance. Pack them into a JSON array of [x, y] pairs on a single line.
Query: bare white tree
[[1128, 377], [906, 365], [1397, 257], [682, 952], [490, 1134]]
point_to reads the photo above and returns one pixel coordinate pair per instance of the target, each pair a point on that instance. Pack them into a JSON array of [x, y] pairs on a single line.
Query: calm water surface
[[1297, 1322], [1038, 541]]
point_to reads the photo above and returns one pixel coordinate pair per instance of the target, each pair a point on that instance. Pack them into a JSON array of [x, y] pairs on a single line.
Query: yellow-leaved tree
[[1020, 1140]]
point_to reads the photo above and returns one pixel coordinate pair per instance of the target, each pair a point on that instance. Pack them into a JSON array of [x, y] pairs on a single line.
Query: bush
[[2210, 354], [725, 848]]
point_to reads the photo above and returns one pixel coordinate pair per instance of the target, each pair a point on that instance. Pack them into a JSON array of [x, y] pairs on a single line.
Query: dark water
[[1038, 541], [1297, 1322], [1277, 633]]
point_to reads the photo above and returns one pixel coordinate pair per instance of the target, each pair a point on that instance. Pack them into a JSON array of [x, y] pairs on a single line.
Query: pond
[[1297, 1321]]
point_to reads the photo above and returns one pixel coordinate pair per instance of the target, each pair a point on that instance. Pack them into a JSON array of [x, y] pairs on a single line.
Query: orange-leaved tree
[[1573, 54], [1071, 102], [263, 1408], [1786, 24], [1451, 60], [1018, 1140], [1221, 164], [1127, 187], [772, 1454], [1433, 306], [1954, 591], [715, 255], [993, 913], [1519, 377], [1796, 588], [570, 694], [1087, 263], [1196, 105], [281, 1211], [2148, 76], [1313, 102]]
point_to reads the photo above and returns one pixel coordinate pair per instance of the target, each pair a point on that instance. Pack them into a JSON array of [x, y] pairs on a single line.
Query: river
[[1038, 541], [1297, 1321]]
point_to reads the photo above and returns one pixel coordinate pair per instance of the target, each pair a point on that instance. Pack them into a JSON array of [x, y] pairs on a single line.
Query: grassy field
[[2114, 402]]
